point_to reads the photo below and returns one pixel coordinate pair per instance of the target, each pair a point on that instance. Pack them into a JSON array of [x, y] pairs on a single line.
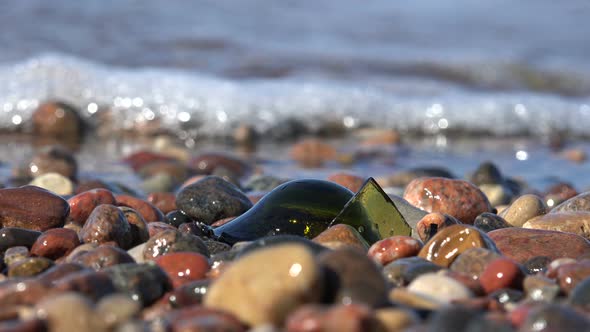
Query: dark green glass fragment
[[300, 207], [372, 213]]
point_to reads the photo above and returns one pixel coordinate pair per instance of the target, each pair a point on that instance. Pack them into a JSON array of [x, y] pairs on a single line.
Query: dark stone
[[177, 218], [55, 243], [12, 237], [395, 271], [554, 318], [211, 199], [93, 284], [143, 282], [452, 319], [173, 241], [280, 239], [489, 221], [486, 173], [32, 208], [189, 294], [507, 295], [580, 295], [536, 264], [107, 223], [139, 227], [102, 257]]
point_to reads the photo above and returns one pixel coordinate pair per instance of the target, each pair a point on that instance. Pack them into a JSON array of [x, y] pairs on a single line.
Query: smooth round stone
[[102, 257], [347, 180], [393, 248], [536, 264], [32, 208], [439, 288], [107, 223], [570, 275], [211, 199], [53, 159], [521, 244], [29, 267], [70, 312], [396, 319], [116, 309], [396, 272], [554, 318], [55, 183], [55, 243], [139, 227], [501, 273], [155, 228], [149, 212], [159, 182], [424, 226], [451, 241], [368, 287], [570, 222], [523, 209], [343, 235], [82, 205], [57, 119], [559, 193], [170, 241], [580, 295], [352, 318], [177, 218], [142, 282], [183, 267], [486, 173], [164, 201], [577, 203], [15, 255], [497, 194], [12, 237], [312, 152], [472, 262], [291, 278], [457, 198], [540, 288], [488, 222], [90, 283]]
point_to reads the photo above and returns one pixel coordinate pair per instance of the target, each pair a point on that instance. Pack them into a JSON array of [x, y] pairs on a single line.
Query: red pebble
[[82, 205], [147, 210], [500, 273], [392, 248], [183, 267], [55, 243]]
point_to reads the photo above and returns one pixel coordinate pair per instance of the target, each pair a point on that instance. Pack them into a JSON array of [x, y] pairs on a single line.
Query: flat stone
[[577, 203], [521, 244], [457, 198], [523, 209], [571, 222], [451, 241], [32, 208], [291, 278]]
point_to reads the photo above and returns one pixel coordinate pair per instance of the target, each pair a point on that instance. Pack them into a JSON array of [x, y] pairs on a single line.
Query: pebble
[[580, 295], [53, 159], [211, 199], [189, 294], [199, 318], [148, 211], [262, 183], [312, 152], [157, 227], [570, 222], [439, 288], [54, 182], [82, 204], [403, 178], [368, 287], [116, 309], [15, 255], [139, 227], [558, 193], [342, 235], [57, 119], [170, 241], [472, 262], [70, 312], [521, 244], [501, 273], [577, 203], [145, 283], [424, 226], [396, 319], [540, 288], [400, 272], [291, 278], [457, 198], [176, 218], [554, 318], [523, 209], [488, 222], [536, 264], [393, 248], [32, 208], [351, 181], [12, 237], [101, 257], [107, 223], [570, 275], [452, 241], [141, 158], [55, 243], [350, 318], [173, 169], [183, 267], [207, 163], [164, 201], [29, 267]]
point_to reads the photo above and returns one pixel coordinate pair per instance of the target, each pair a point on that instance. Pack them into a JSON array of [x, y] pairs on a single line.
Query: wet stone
[[216, 247], [211, 199], [368, 287], [570, 222], [29, 267], [116, 309], [554, 318], [59, 271], [392, 248], [148, 211], [570, 275], [82, 205], [439, 288], [352, 318], [54, 159], [155, 228], [15, 255], [32, 208], [142, 158], [143, 282], [139, 227], [425, 225], [92, 284], [536, 264], [472, 262], [501, 273], [183, 267], [60, 309], [102, 257], [291, 278], [451, 241], [177, 218], [189, 294], [12, 237], [55, 243], [523, 244], [164, 201], [488, 222], [207, 163], [107, 223], [523, 209], [397, 273], [341, 234], [457, 198], [540, 288], [170, 241]]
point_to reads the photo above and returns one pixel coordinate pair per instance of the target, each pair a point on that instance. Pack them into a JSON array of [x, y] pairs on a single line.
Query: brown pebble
[[32, 208], [344, 235], [155, 228], [57, 119], [55, 243], [424, 225], [107, 223], [164, 201], [393, 248], [148, 211], [82, 204], [312, 152]]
